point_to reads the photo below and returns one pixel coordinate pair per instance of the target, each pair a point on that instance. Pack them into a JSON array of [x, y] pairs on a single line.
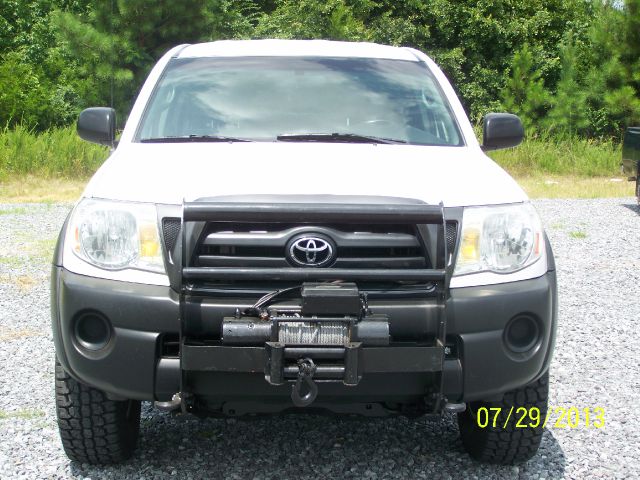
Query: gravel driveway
[[597, 364]]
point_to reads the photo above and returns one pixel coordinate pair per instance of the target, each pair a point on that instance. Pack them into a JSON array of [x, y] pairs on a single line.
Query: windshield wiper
[[192, 138], [335, 137]]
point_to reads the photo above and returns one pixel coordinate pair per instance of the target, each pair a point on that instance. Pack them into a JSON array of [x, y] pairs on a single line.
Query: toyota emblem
[[311, 251]]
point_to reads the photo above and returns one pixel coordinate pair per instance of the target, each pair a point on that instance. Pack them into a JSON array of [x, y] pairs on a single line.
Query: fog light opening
[[92, 331], [521, 334]]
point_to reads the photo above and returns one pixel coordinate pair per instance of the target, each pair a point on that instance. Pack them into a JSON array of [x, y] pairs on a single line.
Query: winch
[[320, 340]]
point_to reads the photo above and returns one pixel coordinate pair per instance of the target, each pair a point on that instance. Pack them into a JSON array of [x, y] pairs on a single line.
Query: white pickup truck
[[295, 226]]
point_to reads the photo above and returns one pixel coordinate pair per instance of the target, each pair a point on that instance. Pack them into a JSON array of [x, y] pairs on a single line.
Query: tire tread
[[94, 429], [510, 445]]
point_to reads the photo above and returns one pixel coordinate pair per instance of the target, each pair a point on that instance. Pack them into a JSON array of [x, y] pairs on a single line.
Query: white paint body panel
[[169, 173]]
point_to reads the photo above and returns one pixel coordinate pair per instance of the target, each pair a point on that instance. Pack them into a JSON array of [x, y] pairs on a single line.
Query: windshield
[[299, 99]]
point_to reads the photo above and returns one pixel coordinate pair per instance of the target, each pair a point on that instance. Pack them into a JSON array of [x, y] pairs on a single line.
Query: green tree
[[568, 113], [474, 41], [313, 19], [33, 68], [397, 23], [525, 94], [237, 19], [22, 96], [631, 53], [118, 41], [613, 100]]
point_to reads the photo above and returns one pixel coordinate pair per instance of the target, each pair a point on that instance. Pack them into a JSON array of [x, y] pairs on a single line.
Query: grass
[[573, 157], [571, 186], [11, 261], [34, 189], [18, 334], [13, 211], [41, 248], [25, 283], [578, 234], [25, 414], [58, 152], [26, 250]]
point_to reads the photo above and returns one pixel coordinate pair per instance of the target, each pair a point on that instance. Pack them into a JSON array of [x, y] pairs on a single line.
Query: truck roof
[[302, 48]]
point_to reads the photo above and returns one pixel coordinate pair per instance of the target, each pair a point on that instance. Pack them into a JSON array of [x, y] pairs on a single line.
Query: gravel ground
[[597, 245]]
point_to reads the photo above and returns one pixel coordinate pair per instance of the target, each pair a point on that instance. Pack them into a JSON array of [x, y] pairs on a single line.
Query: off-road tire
[[506, 445], [93, 428]]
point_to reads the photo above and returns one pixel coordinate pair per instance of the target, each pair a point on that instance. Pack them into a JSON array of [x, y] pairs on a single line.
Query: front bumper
[[137, 364]]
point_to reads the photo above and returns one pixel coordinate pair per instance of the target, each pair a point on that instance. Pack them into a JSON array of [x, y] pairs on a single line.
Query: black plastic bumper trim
[[167, 378], [215, 358]]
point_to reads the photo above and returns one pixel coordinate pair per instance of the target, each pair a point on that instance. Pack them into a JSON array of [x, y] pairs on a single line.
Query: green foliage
[[613, 94], [34, 87], [236, 19], [568, 114], [21, 96], [117, 42], [309, 19], [630, 55], [524, 93], [56, 152], [487, 33]]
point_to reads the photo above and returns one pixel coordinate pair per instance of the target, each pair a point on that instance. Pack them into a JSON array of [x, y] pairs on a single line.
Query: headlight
[[500, 239], [117, 235]]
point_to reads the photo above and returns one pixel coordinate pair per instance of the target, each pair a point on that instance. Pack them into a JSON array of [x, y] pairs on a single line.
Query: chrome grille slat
[[344, 239], [381, 262]]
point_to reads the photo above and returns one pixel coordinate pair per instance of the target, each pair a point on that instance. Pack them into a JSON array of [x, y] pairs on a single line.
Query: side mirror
[[501, 130], [98, 125]]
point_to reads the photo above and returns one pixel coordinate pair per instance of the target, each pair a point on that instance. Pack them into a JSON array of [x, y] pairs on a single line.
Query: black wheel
[[505, 443], [93, 428]]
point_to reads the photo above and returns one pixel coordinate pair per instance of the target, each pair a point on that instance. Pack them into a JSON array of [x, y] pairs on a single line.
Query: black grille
[[389, 245], [170, 231], [265, 245], [452, 236]]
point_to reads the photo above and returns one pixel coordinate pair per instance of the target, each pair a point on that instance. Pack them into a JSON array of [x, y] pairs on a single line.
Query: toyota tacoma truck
[[301, 226]]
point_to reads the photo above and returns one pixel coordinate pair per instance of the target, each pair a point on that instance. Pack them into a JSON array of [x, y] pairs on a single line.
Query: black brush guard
[[282, 363]]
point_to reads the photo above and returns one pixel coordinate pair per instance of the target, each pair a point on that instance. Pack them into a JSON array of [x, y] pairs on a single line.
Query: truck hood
[[172, 173]]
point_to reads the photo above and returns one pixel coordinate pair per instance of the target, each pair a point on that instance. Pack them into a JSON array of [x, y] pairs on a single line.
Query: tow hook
[[174, 404], [306, 370]]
